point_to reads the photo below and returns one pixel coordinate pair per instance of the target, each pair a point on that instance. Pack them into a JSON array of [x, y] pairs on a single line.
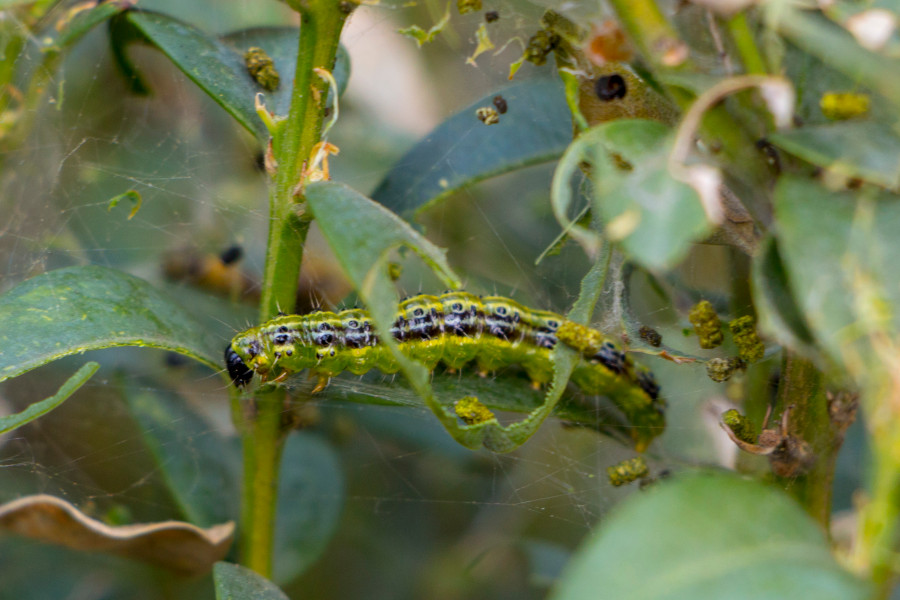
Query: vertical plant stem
[[879, 518], [803, 389], [262, 442], [292, 145], [746, 45], [649, 28]]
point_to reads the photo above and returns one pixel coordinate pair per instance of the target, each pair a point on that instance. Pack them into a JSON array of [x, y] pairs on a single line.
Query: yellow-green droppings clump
[[721, 369], [706, 324], [627, 471], [262, 68], [467, 6], [584, 339], [743, 331], [540, 45], [740, 426], [472, 411], [839, 106]]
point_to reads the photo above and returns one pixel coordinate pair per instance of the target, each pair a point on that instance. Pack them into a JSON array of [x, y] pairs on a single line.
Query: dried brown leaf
[[175, 545]]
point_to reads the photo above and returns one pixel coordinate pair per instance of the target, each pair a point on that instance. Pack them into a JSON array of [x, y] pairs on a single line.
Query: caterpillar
[[455, 328]]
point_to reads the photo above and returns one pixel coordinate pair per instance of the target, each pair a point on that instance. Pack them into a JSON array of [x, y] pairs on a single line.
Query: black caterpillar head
[[239, 372]]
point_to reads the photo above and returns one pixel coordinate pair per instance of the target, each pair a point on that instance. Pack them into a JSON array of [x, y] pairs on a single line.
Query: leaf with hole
[[652, 215], [78, 379]]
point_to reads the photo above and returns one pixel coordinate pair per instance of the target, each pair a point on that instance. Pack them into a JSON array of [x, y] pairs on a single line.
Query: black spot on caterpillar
[[455, 328], [611, 87]]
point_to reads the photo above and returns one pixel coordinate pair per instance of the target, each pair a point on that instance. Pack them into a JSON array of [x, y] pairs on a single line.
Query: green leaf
[[281, 44], [852, 305], [216, 65], [73, 310], [707, 536], [44, 406], [461, 151], [310, 501], [653, 216], [199, 466], [234, 582], [362, 233], [69, 32], [866, 150], [779, 315]]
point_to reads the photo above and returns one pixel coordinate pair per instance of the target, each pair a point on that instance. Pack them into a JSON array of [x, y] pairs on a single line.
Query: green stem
[[263, 442], [880, 518], [746, 44], [292, 144], [876, 548], [803, 388], [650, 30]]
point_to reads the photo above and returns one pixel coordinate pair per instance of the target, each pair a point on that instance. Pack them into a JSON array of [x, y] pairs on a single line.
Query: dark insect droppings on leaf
[[770, 152], [611, 87], [231, 255], [651, 336], [491, 16], [173, 359], [259, 161], [500, 104], [467, 6]]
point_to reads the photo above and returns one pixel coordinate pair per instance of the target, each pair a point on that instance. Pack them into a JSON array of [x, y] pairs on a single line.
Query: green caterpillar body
[[455, 328]]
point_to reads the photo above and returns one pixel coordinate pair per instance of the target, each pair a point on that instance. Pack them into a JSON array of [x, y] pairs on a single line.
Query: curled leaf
[[175, 545], [484, 44], [42, 407], [421, 36], [133, 195]]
